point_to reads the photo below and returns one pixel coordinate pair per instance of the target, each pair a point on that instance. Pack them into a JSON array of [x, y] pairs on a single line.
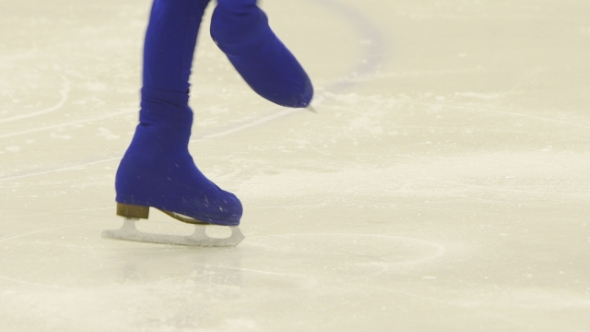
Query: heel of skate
[[133, 211]]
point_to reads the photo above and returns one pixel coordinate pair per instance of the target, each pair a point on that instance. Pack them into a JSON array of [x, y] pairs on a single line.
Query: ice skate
[[199, 237], [157, 171], [241, 30]]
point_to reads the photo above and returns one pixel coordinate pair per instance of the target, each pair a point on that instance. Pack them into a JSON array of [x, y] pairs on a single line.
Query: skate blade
[[198, 238]]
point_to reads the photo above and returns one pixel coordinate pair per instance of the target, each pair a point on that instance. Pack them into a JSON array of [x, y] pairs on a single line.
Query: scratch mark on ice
[[64, 92]]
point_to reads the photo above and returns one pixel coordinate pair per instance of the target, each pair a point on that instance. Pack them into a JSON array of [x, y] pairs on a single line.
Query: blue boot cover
[[240, 29], [158, 171]]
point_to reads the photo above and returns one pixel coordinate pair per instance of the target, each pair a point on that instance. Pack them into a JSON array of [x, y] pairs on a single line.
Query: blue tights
[[157, 169]]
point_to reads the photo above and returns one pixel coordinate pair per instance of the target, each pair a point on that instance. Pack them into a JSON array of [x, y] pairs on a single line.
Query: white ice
[[443, 185]]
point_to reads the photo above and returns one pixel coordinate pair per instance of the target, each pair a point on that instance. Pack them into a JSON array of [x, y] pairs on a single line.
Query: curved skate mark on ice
[[499, 111], [64, 92], [264, 272], [364, 250], [59, 169], [35, 284], [247, 124], [46, 230], [71, 123], [306, 279]]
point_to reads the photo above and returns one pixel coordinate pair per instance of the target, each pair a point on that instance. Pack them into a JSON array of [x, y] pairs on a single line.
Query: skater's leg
[[157, 169], [240, 29], [168, 53], [170, 42]]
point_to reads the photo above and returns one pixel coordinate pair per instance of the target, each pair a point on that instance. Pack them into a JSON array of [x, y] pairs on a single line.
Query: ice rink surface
[[444, 184]]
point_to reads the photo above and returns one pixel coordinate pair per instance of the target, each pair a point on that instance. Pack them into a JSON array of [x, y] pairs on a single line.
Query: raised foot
[[198, 238]]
